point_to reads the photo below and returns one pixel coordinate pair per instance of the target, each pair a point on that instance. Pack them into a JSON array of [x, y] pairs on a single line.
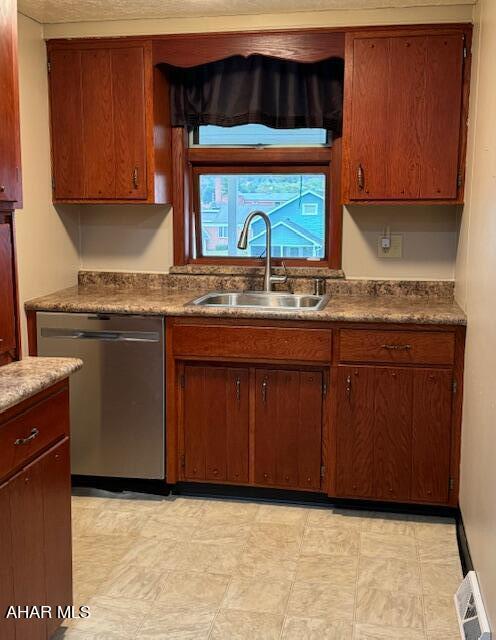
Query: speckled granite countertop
[[23, 379], [159, 301]]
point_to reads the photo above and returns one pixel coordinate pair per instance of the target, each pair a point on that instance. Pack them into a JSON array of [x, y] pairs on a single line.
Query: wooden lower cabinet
[[216, 423], [362, 411], [35, 525], [393, 433], [237, 417], [288, 428]]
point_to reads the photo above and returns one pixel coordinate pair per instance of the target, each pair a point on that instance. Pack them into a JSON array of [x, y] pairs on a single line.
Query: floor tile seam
[[355, 602], [219, 608], [297, 557], [424, 613]]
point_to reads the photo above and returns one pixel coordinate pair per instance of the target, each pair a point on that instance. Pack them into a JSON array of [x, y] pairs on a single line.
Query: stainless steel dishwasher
[[117, 398]]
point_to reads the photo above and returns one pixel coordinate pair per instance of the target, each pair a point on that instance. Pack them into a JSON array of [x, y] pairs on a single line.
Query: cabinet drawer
[[403, 347], [252, 343], [23, 437]]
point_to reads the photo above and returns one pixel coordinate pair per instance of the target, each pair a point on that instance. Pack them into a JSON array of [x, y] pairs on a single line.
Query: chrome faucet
[[243, 241]]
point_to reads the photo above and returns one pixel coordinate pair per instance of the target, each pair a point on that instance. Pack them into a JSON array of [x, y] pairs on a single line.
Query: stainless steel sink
[[262, 300]]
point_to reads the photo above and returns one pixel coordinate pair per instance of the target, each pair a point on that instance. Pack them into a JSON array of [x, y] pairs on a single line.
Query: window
[[257, 134], [310, 209], [285, 173], [225, 199]]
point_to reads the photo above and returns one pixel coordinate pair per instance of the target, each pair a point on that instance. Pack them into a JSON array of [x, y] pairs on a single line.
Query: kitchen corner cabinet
[[405, 115], [10, 146], [35, 503], [355, 411], [110, 125]]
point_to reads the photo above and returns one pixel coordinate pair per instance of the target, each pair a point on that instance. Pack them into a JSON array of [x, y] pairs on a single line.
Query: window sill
[[239, 270]]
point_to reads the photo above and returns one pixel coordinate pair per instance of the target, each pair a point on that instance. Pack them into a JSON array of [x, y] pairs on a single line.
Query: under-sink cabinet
[[354, 411], [251, 425]]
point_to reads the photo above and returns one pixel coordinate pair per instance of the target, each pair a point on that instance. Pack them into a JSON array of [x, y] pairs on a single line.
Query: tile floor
[[190, 568]]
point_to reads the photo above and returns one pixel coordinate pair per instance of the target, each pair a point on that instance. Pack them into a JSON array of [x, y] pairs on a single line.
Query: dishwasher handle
[[106, 336]]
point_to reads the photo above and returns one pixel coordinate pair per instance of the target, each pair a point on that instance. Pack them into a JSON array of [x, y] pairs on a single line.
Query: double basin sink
[[262, 300]]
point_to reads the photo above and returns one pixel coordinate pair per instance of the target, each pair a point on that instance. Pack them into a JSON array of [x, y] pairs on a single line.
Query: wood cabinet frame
[[8, 217]]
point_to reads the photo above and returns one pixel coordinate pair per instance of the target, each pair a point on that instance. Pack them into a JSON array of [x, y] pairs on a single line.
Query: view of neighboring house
[[297, 224]]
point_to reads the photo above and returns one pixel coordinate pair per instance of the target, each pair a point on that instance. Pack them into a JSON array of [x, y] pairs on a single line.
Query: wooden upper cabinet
[[10, 147], [405, 116], [107, 105]]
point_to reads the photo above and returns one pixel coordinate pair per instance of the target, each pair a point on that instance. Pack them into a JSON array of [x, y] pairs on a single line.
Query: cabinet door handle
[[264, 390], [34, 434], [360, 178], [135, 177], [397, 347], [238, 390], [348, 385]]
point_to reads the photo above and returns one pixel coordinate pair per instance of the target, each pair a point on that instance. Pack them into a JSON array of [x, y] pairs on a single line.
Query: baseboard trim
[[119, 485], [463, 548]]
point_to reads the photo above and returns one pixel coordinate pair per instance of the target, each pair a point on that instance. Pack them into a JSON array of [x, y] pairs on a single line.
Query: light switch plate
[[396, 249]]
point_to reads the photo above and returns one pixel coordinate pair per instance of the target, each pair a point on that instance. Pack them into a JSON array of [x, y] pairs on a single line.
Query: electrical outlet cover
[[396, 249]]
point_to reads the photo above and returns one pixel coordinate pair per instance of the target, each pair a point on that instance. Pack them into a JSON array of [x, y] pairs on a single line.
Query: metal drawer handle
[[34, 434], [238, 389], [397, 347]]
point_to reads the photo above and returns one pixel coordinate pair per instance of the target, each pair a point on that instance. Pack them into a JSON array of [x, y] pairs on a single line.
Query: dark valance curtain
[[277, 93]]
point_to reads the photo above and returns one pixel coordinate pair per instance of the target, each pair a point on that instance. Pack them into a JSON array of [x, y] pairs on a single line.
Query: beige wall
[[430, 236], [126, 238], [139, 238], [47, 240], [476, 291]]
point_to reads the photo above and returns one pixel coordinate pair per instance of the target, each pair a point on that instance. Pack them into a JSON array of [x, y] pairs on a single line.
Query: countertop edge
[[25, 378]]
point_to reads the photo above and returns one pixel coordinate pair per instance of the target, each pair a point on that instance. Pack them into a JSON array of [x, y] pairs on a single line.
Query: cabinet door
[[374, 432], [9, 105], [355, 432], [288, 428], [56, 475], [66, 114], [7, 299], [7, 630], [405, 113], [369, 119], [216, 423], [98, 124], [128, 92], [393, 433], [28, 547], [432, 401]]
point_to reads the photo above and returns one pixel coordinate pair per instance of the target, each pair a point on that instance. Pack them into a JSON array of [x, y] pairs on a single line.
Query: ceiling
[[61, 11]]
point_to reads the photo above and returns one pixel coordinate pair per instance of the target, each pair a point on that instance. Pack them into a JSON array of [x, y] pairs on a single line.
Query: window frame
[[200, 169], [189, 161]]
